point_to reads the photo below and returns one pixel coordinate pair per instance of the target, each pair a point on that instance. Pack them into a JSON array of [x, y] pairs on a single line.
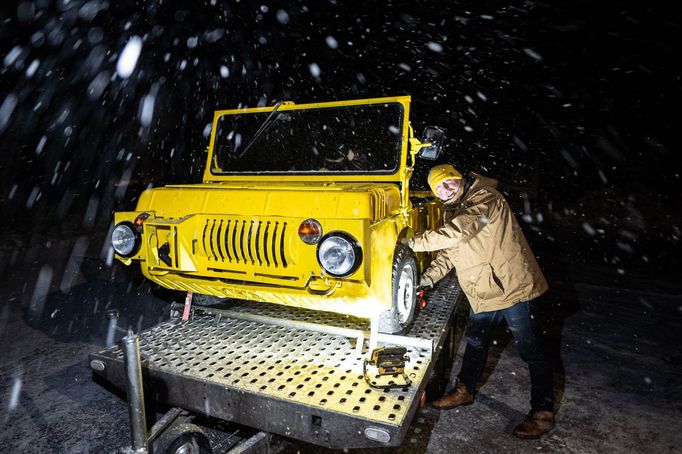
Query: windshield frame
[[212, 172]]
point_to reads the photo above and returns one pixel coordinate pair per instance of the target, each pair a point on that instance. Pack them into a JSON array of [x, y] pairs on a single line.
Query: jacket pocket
[[481, 282], [489, 285]]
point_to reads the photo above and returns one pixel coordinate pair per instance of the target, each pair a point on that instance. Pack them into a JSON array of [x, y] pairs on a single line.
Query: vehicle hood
[[329, 200]]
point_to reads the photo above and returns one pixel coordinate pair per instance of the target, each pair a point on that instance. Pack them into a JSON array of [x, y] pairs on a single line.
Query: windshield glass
[[348, 139]]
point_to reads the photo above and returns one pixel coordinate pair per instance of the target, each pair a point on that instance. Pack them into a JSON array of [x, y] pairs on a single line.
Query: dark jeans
[[523, 325]]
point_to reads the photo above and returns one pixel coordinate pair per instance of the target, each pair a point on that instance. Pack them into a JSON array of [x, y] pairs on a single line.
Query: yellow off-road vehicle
[[301, 205]]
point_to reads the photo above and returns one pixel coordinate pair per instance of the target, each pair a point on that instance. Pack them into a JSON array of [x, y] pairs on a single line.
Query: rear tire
[[404, 293]]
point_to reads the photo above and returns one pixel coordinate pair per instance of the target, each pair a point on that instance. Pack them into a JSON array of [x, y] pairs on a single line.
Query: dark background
[[578, 117], [573, 105]]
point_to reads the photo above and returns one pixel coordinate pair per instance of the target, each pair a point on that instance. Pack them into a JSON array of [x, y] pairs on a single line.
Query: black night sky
[[574, 106]]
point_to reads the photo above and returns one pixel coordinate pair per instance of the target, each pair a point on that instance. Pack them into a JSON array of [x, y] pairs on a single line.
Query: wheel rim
[[188, 447], [406, 293]]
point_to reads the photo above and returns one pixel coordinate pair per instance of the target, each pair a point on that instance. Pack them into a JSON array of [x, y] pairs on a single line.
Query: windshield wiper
[[263, 128]]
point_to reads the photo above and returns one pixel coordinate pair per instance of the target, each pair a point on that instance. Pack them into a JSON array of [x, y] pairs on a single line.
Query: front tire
[[404, 293]]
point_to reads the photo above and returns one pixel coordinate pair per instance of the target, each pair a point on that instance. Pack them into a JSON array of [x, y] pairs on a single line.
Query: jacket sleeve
[[460, 228], [440, 266]]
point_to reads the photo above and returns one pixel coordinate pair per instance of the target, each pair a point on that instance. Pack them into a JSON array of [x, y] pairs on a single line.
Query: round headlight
[[124, 240], [339, 254]]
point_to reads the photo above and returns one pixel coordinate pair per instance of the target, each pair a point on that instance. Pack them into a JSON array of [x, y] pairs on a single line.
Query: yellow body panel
[[237, 235]]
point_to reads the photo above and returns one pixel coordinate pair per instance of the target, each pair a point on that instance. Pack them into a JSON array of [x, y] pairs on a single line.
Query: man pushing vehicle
[[501, 278]]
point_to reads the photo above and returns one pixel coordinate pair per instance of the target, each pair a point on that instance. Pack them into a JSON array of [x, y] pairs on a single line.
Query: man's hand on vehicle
[[407, 242], [425, 282]]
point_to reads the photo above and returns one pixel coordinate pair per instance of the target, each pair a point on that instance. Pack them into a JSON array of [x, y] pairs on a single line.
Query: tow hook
[[422, 300]]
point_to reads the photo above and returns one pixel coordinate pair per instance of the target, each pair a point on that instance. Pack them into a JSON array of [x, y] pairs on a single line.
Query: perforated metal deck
[[298, 383]]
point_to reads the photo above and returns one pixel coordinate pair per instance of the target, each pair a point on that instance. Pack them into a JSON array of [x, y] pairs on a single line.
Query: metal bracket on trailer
[[358, 335]]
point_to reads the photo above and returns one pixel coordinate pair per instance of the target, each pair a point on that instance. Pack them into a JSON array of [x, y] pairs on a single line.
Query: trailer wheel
[[404, 288], [185, 438]]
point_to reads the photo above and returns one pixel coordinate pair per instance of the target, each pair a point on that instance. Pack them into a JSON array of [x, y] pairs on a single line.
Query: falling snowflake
[[282, 16], [315, 70], [331, 42], [6, 110], [436, 47], [32, 68], [532, 54], [128, 59]]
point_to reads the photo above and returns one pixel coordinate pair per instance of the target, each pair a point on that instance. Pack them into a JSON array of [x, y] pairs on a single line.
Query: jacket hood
[[480, 181], [472, 182]]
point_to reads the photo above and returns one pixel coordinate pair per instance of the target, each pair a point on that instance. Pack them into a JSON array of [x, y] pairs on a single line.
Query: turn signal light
[[310, 231], [139, 220]]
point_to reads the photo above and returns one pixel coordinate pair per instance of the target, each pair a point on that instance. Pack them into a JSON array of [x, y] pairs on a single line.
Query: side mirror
[[435, 136]]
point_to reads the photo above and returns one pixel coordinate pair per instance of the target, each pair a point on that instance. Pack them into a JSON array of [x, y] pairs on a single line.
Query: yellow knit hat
[[441, 173]]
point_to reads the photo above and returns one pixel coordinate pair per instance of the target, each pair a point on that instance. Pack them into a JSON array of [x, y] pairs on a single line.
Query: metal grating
[[302, 367]]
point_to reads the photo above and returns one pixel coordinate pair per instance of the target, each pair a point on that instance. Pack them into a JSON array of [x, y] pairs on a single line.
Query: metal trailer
[[292, 372]]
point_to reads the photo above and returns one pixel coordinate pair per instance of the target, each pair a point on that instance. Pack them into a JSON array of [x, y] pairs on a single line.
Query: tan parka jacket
[[482, 240]]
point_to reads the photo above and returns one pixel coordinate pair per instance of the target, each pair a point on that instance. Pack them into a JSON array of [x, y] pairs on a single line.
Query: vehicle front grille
[[253, 242]]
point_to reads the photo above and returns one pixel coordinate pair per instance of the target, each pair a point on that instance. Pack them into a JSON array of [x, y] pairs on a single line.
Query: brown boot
[[460, 396], [536, 424]]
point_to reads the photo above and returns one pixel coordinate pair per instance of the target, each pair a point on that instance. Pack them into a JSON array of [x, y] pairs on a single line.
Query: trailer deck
[[290, 381]]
